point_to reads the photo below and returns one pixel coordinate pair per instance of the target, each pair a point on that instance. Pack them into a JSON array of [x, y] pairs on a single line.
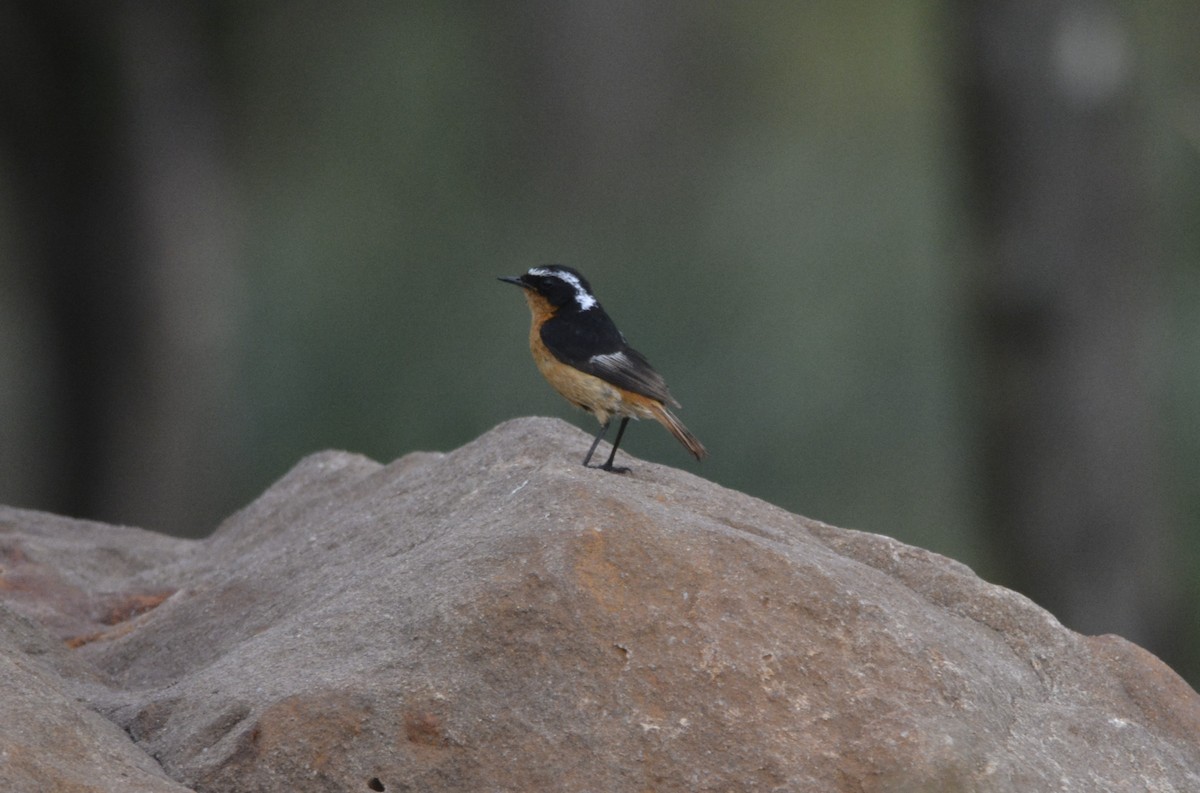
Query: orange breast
[[589, 392]]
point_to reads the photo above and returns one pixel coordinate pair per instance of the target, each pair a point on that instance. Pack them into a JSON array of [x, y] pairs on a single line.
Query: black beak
[[513, 279]]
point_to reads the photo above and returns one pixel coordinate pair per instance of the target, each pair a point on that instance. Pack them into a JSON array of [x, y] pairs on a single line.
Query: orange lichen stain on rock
[[321, 726], [597, 575], [19, 576], [424, 729], [124, 629], [119, 609], [122, 606]]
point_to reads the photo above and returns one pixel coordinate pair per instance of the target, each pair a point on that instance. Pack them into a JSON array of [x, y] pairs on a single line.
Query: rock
[[78, 578], [61, 582], [50, 742], [501, 619]]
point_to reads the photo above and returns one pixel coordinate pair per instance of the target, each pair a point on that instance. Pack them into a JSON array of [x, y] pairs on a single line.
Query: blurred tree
[[1070, 316], [108, 129]]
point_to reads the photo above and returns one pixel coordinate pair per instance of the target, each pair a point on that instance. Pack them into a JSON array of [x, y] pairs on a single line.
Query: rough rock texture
[[501, 619], [50, 740]]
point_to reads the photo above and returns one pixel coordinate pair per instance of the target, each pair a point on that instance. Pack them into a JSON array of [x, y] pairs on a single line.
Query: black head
[[561, 286]]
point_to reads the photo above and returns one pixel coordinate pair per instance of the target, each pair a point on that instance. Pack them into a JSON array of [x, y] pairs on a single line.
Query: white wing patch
[[617, 361], [583, 298]]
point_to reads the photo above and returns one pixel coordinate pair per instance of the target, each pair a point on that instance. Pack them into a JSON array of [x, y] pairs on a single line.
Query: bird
[[579, 350]]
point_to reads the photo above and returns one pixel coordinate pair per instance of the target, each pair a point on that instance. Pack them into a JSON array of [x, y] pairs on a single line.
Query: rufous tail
[[681, 433]]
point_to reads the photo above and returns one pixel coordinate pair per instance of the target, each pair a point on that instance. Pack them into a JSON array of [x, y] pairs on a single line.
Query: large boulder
[[500, 618]]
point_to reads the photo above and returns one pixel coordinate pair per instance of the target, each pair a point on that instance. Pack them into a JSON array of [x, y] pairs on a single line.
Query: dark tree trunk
[[1069, 315], [108, 121]]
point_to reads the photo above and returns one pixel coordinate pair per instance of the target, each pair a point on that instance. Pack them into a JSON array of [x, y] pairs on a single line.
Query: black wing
[[630, 370], [591, 343]]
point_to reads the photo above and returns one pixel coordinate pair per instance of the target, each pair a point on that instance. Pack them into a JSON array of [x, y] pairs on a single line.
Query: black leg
[[608, 466], [595, 443]]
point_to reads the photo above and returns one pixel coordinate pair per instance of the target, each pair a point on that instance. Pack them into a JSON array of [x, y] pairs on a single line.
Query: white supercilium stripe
[[583, 298]]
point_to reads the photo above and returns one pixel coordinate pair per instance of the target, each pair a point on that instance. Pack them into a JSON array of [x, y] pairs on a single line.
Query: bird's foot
[[612, 469]]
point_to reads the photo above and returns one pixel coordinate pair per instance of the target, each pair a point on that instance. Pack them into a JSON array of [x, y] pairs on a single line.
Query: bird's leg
[[608, 466], [595, 443]]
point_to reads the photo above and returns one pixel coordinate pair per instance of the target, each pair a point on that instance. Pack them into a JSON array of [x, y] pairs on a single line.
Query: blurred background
[[926, 269]]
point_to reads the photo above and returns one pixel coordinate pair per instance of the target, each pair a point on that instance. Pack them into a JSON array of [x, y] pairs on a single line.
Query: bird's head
[[558, 285]]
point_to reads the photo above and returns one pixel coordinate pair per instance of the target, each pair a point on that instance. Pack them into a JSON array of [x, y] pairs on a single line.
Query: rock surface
[[50, 739], [501, 619]]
